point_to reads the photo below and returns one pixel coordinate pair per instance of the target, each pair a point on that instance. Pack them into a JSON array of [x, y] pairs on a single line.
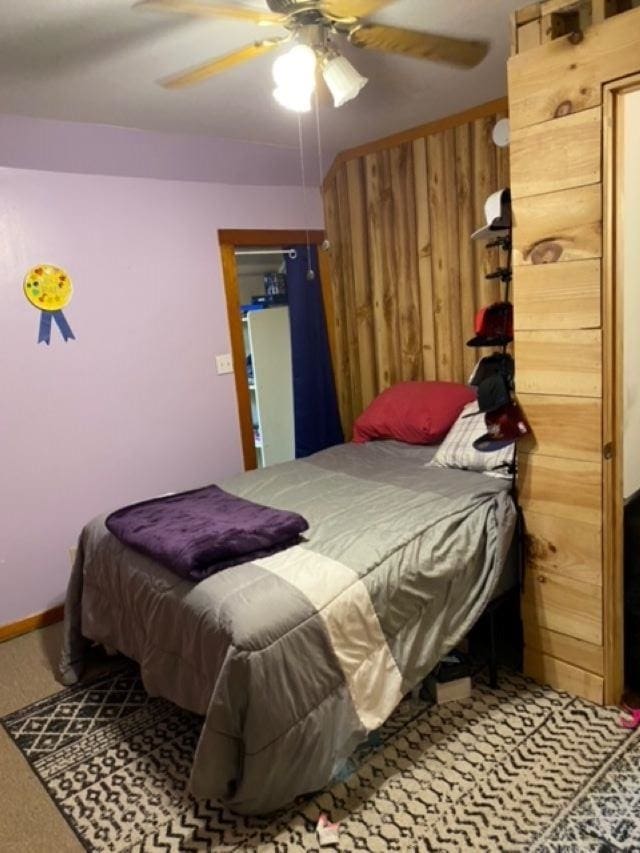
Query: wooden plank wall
[[571, 607], [407, 279], [545, 20]]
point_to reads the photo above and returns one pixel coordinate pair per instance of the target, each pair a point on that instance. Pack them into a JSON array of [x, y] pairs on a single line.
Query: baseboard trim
[[31, 623]]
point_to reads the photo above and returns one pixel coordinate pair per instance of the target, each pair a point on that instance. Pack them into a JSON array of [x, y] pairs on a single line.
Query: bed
[[294, 657]]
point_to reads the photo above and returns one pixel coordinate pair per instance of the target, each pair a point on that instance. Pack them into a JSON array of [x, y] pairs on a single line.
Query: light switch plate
[[224, 363]]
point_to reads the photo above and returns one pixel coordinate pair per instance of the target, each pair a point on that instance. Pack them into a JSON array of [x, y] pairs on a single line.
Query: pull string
[[318, 135], [310, 273], [325, 244]]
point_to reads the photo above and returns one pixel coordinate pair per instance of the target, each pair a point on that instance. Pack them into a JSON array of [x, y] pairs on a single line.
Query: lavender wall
[[133, 407], [67, 146]]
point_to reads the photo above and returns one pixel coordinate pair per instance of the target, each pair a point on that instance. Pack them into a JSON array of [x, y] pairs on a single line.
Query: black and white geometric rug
[[519, 768]]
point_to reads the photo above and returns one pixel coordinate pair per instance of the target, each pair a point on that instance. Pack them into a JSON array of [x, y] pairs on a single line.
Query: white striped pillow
[[457, 450]]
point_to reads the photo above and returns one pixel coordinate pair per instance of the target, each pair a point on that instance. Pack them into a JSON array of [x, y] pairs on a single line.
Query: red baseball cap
[[493, 325], [504, 426]]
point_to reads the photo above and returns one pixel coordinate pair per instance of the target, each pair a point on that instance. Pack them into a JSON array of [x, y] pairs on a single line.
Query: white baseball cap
[[497, 212]]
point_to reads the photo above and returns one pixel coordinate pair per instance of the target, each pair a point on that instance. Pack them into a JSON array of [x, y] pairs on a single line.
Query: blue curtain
[[316, 416]]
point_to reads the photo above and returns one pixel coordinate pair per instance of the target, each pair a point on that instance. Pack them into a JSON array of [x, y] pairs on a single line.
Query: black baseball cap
[[497, 362], [493, 393]]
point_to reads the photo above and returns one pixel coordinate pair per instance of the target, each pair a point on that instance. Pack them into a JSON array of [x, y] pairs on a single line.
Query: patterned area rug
[[518, 768]]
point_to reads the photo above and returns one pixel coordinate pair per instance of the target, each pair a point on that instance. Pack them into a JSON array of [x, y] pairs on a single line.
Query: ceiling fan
[[314, 25]]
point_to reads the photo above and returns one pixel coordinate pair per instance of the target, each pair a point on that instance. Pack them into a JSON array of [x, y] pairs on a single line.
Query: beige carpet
[[29, 820]]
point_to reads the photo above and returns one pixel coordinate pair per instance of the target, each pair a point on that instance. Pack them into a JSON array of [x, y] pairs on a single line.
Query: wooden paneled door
[[562, 104]]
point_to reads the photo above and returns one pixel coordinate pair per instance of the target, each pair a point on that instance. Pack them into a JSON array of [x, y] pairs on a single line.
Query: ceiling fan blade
[[453, 51], [222, 63], [353, 8], [208, 10]]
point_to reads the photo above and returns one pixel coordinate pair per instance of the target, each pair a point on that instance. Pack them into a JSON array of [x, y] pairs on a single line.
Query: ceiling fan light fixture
[[299, 101], [295, 76], [343, 80]]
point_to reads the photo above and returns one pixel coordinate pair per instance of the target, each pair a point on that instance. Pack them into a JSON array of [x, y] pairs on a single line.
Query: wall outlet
[[72, 555], [224, 363]]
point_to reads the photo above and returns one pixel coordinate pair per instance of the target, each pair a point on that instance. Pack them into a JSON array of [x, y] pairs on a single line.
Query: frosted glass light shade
[[343, 80], [296, 66], [295, 76], [293, 99]]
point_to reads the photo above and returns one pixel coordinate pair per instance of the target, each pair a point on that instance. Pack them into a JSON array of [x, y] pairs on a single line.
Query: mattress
[[293, 658]]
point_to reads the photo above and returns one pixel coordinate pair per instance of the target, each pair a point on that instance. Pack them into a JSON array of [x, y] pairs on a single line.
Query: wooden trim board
[[612, 373], [266, 237], [613, 376], [31, 623], [232, 294], [422, 130]]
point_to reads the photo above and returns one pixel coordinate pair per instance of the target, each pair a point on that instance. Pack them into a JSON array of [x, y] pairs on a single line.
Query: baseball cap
[[493, 393], [497, 362], [504, 426], [497, 212], [493, 326]]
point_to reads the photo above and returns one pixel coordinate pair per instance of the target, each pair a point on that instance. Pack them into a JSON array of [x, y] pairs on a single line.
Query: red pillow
[[413, 412]]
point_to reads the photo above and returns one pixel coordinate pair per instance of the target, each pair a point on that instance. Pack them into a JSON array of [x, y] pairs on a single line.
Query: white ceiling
[[98, 60]]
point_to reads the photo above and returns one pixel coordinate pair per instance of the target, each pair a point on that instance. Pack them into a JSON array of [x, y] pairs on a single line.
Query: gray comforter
[[294, 657]]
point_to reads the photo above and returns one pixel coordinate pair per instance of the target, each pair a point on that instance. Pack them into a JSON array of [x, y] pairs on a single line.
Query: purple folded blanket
[[200, 532]]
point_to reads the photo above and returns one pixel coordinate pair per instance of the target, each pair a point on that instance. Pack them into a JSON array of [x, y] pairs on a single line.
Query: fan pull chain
[[326, 244], [310, 273], [318, 135]]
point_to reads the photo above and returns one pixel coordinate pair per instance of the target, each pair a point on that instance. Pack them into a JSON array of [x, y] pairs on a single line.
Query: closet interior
[[262, 286]]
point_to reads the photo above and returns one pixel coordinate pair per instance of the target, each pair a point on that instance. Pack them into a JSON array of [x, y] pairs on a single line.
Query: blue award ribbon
[[44, 332]]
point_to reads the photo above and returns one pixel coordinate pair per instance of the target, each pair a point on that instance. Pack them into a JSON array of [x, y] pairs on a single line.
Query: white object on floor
[[449, 691], [328, 833]]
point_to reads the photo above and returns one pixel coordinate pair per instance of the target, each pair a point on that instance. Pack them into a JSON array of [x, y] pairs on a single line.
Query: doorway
[[621, 359], [253, 264]]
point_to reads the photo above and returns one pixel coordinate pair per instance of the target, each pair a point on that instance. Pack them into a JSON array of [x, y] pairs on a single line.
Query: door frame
[[230, 240], [613, 395]]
